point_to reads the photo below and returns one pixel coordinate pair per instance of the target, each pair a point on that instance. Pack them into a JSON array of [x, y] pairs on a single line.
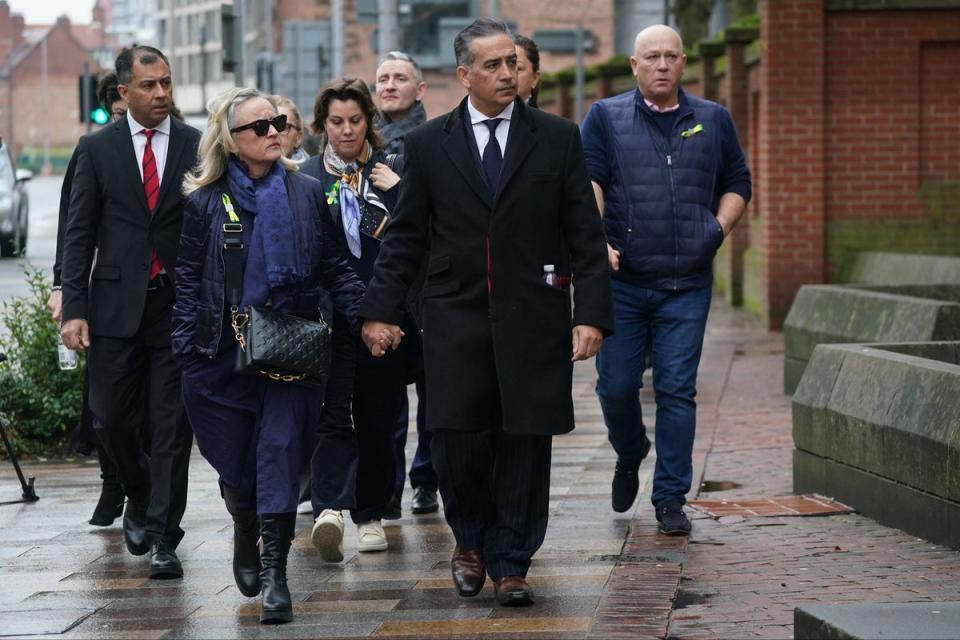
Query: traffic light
[[99, 116], [89, 110]]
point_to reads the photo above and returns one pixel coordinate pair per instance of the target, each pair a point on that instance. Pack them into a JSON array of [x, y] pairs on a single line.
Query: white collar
[[136, 127], [476, 117]]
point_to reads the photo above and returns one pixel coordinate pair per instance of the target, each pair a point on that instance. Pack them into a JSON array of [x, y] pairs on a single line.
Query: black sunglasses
[[261, 127]]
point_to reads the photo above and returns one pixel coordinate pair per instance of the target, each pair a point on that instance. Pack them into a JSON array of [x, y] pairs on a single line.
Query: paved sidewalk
[[599, 574]]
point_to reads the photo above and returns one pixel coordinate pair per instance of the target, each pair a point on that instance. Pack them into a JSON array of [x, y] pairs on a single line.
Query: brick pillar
[[736, 41], [603, 87], [790, 170], [709, 52], [564, 107]]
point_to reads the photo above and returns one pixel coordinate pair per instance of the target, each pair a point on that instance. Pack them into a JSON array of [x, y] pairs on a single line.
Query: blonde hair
[[214, 152]]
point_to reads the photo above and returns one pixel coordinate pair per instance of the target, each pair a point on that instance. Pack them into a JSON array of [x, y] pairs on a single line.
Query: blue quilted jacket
[[661, 194], [199, 314]]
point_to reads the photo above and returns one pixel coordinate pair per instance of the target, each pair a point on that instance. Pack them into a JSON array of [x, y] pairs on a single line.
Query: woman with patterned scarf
[[360, 190]]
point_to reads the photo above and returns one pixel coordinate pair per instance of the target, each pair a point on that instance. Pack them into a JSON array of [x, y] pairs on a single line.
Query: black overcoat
[[496, 337]]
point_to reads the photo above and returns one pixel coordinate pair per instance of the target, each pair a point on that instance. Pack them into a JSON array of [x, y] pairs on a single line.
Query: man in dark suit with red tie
[[120, 250], [499, 195]]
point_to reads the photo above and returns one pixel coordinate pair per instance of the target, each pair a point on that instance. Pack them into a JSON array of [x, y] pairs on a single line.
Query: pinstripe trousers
[[496, 493]]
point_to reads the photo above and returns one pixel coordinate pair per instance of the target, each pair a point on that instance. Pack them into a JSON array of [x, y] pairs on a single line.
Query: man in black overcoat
[[498, 192], [120, 250]]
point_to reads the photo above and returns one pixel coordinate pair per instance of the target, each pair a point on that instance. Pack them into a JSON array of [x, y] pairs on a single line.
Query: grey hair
[[403, 57], [214, 152], [479, 28]]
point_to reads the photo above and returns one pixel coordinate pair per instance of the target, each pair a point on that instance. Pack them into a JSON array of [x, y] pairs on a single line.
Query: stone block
[[885, 412], [831, 314], [889, 503], [887, 268], [932, 620]]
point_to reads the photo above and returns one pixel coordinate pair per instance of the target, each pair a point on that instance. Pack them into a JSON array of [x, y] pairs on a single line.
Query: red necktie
[[151, 189]]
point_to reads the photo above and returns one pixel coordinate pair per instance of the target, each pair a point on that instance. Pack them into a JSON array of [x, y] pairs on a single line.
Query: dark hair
[[345, 89], [143, 54], [479, 28], [533, 54], [107, 92]]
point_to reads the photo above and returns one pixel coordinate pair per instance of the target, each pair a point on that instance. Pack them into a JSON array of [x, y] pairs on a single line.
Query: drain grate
[[803, 505]]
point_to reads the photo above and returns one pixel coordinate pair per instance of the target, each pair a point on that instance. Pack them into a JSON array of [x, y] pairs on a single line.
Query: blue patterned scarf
[[285, 253]]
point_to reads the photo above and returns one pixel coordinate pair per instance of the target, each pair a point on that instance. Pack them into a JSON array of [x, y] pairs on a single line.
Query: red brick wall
[[790, 158], [883, 67], [857, 111]]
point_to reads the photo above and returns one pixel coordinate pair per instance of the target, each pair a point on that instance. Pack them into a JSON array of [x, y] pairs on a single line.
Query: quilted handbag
[[282, 347]]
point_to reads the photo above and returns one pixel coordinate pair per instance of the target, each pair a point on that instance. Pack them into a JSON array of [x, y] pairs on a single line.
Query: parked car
[[14, 206]]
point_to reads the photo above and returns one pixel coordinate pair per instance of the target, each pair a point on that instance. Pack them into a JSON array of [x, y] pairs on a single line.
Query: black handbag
[[281, 347]]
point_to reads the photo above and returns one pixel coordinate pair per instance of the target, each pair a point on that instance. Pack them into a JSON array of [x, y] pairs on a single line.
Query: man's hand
[[379, 336], [55, 304], [76, 334], [586, 341], [614, 257]]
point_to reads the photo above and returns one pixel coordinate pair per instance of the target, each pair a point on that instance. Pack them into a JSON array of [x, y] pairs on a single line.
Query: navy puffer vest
[[661, 203]]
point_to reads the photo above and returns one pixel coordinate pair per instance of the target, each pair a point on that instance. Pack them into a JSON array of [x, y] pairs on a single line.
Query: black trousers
[[135, 390], [376, 404], [496, 493], [331, 446]]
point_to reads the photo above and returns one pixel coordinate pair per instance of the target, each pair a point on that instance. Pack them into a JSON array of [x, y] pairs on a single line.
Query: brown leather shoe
[[513, 591], [469, 571]]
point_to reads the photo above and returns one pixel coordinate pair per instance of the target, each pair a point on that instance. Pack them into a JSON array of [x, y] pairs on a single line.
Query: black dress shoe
[[468, 570], [135, 527], [513, 591], [164, 563], [110, 505], [424, 501]]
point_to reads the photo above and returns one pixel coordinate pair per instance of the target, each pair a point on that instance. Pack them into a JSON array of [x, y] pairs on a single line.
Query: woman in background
[[291, 140], [360, 191], [528, 69]]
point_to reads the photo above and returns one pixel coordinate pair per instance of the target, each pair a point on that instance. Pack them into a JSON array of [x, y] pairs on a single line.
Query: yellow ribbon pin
[[691, 131]]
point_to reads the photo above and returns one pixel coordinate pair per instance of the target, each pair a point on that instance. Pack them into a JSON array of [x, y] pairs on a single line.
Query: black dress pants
[[135, 388], [376, 404], [332, 444], [496, 493]]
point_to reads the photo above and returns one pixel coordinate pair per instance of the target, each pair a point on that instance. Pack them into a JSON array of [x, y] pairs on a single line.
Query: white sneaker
[[327, 535], [305, 507], [370, 536]]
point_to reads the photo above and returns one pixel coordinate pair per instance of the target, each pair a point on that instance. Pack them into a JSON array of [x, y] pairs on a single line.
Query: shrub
[[42, 402]]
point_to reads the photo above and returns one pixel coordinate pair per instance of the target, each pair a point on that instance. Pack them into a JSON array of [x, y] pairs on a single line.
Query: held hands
[[379, 336], [614, 257], [586, 342], [383, 177], [55, 304], [76, 334]]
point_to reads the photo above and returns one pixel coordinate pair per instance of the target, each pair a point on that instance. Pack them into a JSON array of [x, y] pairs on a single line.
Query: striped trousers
[[496, 493]]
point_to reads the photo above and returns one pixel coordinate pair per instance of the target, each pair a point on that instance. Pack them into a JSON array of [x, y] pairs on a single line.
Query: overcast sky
[[46, 11]]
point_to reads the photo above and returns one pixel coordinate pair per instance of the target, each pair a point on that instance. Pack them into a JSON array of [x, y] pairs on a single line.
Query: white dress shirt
[[482, 133], [161, 140]]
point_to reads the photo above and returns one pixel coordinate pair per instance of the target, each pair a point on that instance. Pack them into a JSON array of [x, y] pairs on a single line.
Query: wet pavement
[[599, 574]]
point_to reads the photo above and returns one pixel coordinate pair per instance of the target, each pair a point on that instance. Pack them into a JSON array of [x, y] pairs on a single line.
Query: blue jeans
[[671, 324]]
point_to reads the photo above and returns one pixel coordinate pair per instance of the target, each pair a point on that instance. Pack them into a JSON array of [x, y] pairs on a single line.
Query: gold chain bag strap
[[282, 347]]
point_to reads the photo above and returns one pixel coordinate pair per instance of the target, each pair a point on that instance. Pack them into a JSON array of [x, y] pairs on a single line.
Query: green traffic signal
[[99, 116]]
